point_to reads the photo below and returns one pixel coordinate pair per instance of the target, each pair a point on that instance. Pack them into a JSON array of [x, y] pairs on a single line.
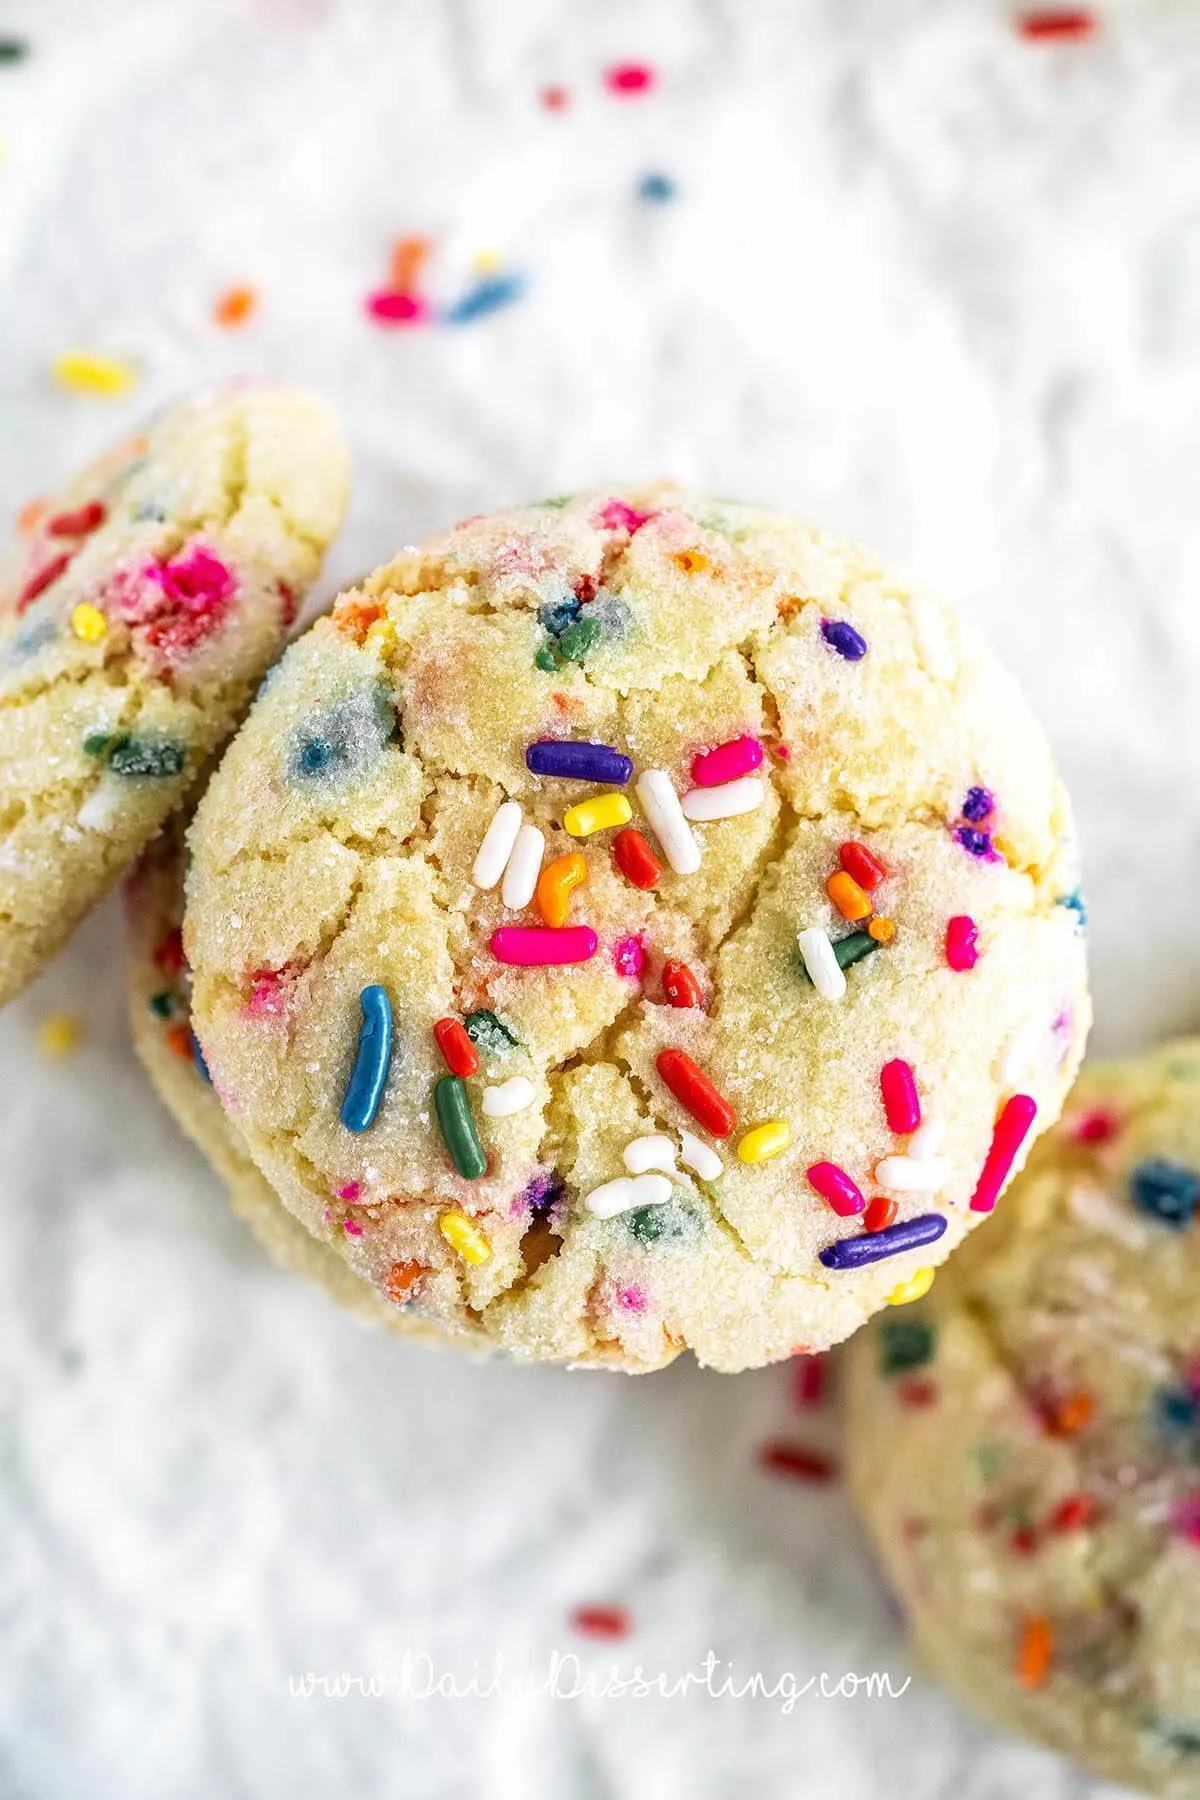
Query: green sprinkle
[[162, 1005], [906, 1344], [547, 658], [662, 1224], [488, 1033], [989, 1460], [96, 743], [852, 949], [556, 502], [580, 639], [13, 50], [134, 757], [453, 1104]]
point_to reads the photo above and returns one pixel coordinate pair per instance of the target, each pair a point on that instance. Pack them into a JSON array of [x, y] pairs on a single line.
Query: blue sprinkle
[[978, 805], [578, 761], [555, 615], [873, 1246], [487, 296], [1169, 1192], [657, 189], [842, 637], [198, 1058], [978, 843], [1178, 1408], [368, 1078], [314, 755], [1077, 904]]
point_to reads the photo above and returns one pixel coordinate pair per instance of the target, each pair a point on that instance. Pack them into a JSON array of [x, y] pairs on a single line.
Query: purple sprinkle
[[873, 1246], [577, 761], [543, 1195], [978, 805], [843, 638], [976, 843]]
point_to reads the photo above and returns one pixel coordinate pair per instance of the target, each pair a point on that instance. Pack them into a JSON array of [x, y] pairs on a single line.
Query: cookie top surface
[[160, 1016], [143, 605], [1025, 1444], [338, 891]]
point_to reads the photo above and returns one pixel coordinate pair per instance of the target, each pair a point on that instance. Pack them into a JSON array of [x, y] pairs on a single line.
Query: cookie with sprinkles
[[144, 603], [608, 883], [159, 986], [1025, 1444]]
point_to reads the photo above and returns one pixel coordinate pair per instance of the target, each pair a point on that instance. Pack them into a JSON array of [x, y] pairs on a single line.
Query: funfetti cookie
[[145, 603], [1025, 1445], [649, 919], [160, 1008]]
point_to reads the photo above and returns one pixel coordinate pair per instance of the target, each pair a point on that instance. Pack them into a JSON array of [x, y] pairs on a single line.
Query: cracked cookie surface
[[334, 854], [1025, 1444], [143, 606]]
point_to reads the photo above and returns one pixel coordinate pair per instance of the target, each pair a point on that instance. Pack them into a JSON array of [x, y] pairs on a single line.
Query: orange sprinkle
[[847, 896], [179, 1042], [401, 1279], [1036, 1652], [554, 887], [692, 562], [31, 516], [789, 606], [882, 930], [354, 618], [1070, 1415], [561, 702], [235, 306], [408, 258]]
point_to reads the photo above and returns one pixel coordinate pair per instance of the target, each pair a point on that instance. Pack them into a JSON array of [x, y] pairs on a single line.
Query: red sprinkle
[[962, 949], [866, 869], [1016, 1116], [1099, 1126], [901, 1102], [835, 1186], [808, 1379], [169, 955], [554, 98], [602, 1621], [389, 308], [635, 859], [917, 1391], [629, 78], [1062, 22], [881, 1212], [37, 584], [680, 985], [1073, 1514], [452, 1040], [696, 1093], [798, 1463], [400, 1280], [79, 523]]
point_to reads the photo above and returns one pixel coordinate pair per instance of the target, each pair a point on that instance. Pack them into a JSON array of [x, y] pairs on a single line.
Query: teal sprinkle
[[847, 950], [162, 1005], [1075, 903], [490, 1034], [96, 743], [662, 1224], [548, 659], [906, 1344], [579, 640], [135, 758]]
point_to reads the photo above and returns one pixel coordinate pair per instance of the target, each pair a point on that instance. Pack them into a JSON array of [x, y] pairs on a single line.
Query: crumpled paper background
[[922, 281]]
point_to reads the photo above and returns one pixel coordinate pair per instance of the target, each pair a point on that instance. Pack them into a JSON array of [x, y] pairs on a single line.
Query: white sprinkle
[[927, 1139], [497, 845], [1023, 1056], [660, 803], [727, 801], [511, 1096], [653, 1152], [695, 1154], [933, 644], [102, 806], [912, 1174], [627, 1192], [823, 967], [520, 877]]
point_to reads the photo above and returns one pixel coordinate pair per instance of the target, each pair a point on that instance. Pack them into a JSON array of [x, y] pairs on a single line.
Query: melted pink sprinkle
[[352, 1228], [387, 307], [629, 78], [270, 994], [349, 1191], [633, 1299], [1185, 1520], [629, 957], [179, 603], [1097, 1126], [617, 515]]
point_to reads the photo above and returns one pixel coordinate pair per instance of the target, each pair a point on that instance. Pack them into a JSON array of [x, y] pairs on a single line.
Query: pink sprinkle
[[532, 946], [175, 605], [835, 1186], [901, 1102], [808, 1380], [1185, 1518], [962, 949], [629, 957], [602, 1621], [633, 1299], [349, 1190], [352, 1228], [1016, 1116], [1098, 1126], [391, 308], [554, 98], [268, 994], [629, 78], [712, 768], [617, 515], [784, 752]]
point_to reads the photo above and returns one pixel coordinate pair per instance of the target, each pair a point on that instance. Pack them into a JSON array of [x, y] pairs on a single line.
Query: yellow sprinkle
[[599, 814], [692, 562], [383, 634], [765, 1141], [463, 1236], [88, 622], [882, 930], [912, 1289], [488, 261], [59, 1035], [847, 896], [87, 373]]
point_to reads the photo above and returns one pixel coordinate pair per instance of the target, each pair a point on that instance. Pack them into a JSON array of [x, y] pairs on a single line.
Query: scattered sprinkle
[[680, 985], [975, 842], [808, 1379], [823, 967], [490, 1034], [531, 947], [979, 805], [45, 577], [798, 1463], [453, 1105], [136, 757], [458, 1052], [914, 1289], [511, 1096], [85, 372], [727, 762], [629, 957], [1016, 1117], [400, 1280], [1069, 1416], [962, 942], [881, 1212], [521, 874], [661, 805], [905, 1344], [765, 1141], [1099, 1125], [656, 189], [497, 845], [1057, 24], [835, 1186], [236, 306], [729, 801], [695, 1092], [462, 1234], [629, 78], [80, 523], [1035, 1653], [409, 257], [890, 1240], [88, 622], [598, 814], [654, 1151], [555, 885], [1075, 1513], [635, 859], [850, 899], [554, 98], [901, 1101], [387, 307], [610, 1622], [866, 869], [574, 760], [912, 1174], [841, 636], [364, 1091], [882, 931], [13, 50], [489, 295], [699, 1157], [60, 1035], [1167, 1191], [626, 1193]]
